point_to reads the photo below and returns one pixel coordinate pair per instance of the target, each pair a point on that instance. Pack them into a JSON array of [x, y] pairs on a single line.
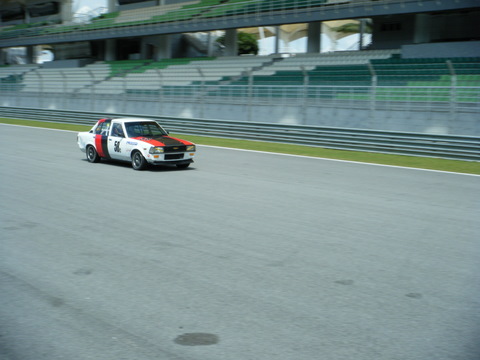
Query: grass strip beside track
[[468, 167]]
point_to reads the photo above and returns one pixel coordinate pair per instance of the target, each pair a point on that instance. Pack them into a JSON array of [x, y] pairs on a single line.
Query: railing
[[442, 146], [221, 12], [440, 99]]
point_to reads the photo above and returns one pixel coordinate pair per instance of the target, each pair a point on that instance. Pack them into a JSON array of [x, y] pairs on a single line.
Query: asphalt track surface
[[243, 256]]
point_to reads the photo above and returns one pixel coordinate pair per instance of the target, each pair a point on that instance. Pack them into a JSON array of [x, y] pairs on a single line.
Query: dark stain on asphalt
[[55, 301], [23, 225], [196, 339], [83, 272], [414, 295], [344, 282]]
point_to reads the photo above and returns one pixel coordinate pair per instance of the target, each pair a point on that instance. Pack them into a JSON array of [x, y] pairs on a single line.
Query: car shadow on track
[[151, 168]]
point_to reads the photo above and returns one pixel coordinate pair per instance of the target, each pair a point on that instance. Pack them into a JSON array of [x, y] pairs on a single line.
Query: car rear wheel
[[138, 161], [92, 155]]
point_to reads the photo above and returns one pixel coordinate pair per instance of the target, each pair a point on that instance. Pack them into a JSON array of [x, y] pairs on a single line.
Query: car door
[[100, 137], [117, 142]]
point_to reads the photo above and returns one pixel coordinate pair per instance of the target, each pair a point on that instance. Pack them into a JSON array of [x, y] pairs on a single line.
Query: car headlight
[[190, 147], [156, 150]]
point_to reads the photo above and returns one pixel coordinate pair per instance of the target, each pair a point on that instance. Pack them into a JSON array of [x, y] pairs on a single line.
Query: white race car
[[137, 140]]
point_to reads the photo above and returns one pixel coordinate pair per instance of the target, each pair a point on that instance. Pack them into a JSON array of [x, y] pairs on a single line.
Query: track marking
[[281, 154], [343, 161]]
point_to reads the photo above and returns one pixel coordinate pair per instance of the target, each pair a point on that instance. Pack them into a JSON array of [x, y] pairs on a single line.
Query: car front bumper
[[171, 162]]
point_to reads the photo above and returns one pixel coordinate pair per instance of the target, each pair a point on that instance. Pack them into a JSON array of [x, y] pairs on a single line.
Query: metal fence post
[[92, 90], [304, 104], [373, 93], [250, 94], [125, 97], [453, 90], [160, 95], [65, 94], [202, 92], [41, 88]]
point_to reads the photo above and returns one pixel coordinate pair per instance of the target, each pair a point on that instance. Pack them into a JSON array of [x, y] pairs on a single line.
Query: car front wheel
[[92, 155], [138, 161]]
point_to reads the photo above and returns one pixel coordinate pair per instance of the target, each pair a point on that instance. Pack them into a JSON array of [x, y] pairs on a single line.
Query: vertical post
[[201, 98], [65, 93], [277, 39], [112, 6], [453, 90], [160, 78], [110, 49], [40, 78], [250, 94], [306, 81], [373, 91], [211, 43], [231, 43], [92, 91], [125, 98], [362, 32], [314, 37]]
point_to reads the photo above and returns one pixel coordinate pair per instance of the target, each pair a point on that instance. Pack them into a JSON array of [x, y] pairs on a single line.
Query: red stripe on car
[[150, 141], [184, 142], [98, 145]]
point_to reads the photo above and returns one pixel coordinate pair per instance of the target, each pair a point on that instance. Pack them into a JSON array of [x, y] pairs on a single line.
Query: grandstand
[[397, 77]]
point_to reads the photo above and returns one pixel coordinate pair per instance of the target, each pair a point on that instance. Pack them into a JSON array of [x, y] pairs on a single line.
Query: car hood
[[162, 141]]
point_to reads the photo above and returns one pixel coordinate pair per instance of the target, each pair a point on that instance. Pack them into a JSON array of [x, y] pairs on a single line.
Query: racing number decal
[[116, 147]]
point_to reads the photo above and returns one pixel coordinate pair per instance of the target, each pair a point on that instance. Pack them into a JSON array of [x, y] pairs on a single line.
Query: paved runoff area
[[245, 255]]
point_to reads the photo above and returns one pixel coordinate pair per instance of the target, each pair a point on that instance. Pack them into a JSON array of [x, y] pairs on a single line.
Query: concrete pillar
[[231, 43], [112, 5], [66, 11], [3, 56], [422, 29], [26, 15], [30, 54], [162, 47], [361, 34], [211, 44], [110, 50], [144, 47], [314, 37], [277, 40]]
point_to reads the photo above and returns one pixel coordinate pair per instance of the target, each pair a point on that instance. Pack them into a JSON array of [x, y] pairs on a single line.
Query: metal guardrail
[[403, 143]]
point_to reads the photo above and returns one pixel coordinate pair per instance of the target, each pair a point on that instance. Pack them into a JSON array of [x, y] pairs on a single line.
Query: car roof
[[131, 119]]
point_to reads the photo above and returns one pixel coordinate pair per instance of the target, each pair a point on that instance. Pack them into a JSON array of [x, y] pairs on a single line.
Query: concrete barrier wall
[[434, 120]]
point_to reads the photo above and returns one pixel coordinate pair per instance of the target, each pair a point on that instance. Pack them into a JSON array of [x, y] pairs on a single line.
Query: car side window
[[102, 129], [117, 130]]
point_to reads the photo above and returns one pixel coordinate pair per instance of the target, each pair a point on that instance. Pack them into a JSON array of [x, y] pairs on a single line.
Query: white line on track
[[291, 155]]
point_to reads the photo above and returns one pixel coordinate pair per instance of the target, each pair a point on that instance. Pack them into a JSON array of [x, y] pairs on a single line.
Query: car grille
[[177, 148], [173, 156]]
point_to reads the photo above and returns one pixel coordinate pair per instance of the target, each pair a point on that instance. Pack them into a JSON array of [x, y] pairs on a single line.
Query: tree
[[247, 43]]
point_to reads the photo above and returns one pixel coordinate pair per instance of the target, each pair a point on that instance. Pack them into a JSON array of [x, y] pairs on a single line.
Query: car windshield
[[144, 129]]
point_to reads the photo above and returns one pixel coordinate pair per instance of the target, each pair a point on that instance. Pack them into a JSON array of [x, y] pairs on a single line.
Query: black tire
[[138, 161], [183, 166], [92, 155]]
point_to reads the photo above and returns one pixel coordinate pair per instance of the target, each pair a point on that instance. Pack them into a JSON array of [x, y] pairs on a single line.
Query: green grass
[[468, 167]]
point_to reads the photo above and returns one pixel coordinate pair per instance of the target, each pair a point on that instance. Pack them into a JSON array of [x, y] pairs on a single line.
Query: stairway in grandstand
[[177, 73], [64, 80], [11, 77]]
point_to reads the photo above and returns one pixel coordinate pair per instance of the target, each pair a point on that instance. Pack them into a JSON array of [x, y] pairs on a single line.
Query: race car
[[137, 140]]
